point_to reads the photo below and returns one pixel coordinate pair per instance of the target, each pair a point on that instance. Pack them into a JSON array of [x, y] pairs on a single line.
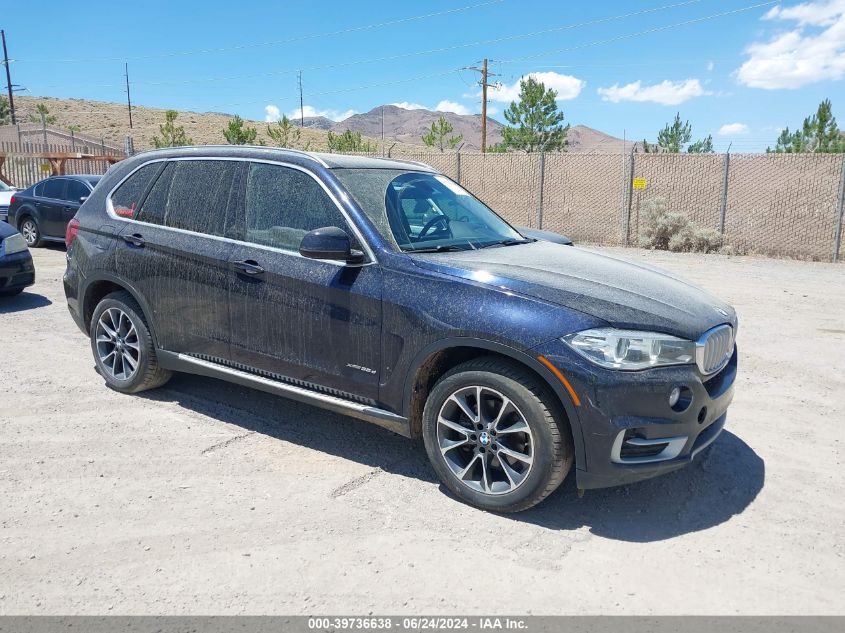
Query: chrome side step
[[189, 364]]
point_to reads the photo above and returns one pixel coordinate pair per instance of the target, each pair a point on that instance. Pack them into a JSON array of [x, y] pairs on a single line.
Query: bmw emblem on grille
[[484, 438]]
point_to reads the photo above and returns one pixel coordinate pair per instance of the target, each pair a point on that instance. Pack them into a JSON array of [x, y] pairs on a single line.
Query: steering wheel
[[432, 222]]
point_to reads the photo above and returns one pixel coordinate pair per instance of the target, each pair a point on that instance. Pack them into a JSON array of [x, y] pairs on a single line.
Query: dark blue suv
[[383, 290]]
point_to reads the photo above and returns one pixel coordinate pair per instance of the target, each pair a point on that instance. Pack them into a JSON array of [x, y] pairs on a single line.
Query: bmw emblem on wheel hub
[[484, 438]]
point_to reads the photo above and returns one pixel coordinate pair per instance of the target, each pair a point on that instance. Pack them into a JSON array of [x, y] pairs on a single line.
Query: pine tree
[[172, 135], [5, 111], [536, 123], [237, 134], [438, 135], [349, 141], [284, 133], [704, 146], [819, 134]]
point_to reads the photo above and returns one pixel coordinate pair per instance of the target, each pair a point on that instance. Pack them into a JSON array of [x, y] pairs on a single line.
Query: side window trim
[[240, 203]]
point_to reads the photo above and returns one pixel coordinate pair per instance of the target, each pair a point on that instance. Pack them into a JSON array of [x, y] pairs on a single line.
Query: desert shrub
[[659, 224], [693, 239], [666, 230]]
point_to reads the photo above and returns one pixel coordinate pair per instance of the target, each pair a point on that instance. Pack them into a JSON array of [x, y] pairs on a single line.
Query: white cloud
[[567, 87], [710, 66], [813, 51], [665, 93], [452, 106], [407, 105], [733, 129], [311, 111], [271, 113]]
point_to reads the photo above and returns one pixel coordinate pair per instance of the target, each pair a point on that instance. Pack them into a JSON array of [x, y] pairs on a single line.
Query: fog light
[[674, 396]]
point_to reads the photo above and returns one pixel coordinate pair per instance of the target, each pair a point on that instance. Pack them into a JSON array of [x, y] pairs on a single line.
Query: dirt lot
[[208, 498]]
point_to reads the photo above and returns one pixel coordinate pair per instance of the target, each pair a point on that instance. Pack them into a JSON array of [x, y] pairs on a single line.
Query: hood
[[6, 230], [624, 294]]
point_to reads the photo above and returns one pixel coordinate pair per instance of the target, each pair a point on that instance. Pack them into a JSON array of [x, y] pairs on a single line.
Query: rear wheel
[[31, 233], [123, 347], [495, 436]]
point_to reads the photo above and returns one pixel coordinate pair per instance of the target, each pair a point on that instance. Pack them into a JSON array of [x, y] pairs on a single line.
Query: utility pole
[[128, 97], [8, 78], [301, 107], [484, 85]]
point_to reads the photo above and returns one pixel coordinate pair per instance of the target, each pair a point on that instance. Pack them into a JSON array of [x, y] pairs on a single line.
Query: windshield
[[419, 211], [4, 186]]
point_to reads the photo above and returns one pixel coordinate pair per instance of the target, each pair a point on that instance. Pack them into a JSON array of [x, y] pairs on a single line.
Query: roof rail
[[298, 152]]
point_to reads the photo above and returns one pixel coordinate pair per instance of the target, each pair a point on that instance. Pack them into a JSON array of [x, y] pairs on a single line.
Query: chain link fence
[[786, 205]]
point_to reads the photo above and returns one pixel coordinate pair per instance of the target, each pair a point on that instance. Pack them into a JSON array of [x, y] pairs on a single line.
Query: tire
[[31, 233], [11, 293], [533, 425], [118, 326]]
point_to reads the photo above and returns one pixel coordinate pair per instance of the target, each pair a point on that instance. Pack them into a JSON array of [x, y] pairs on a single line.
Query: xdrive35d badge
[[386, 291]]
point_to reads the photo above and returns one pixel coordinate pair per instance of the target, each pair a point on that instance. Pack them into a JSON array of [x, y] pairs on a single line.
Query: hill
[[403, 129], [110, 121]]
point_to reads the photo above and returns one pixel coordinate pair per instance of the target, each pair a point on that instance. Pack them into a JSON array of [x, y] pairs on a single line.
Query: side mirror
[[83, 199], [331, 243]]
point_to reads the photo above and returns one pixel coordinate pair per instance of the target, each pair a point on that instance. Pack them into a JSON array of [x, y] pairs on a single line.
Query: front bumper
[[16, 271], [628, 431]]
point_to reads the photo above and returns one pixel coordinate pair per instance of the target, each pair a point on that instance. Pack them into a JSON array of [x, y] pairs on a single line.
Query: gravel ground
[[207, 498]]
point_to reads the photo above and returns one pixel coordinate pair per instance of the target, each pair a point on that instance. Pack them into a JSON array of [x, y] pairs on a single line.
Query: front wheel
[[123, 347], [495, 436]]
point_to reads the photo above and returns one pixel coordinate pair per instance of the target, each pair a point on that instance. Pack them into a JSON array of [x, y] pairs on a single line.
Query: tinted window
[[38, 189], [191, 195], [154, 205], [53, 188], [127, 197], [283, 204], [75, 190]]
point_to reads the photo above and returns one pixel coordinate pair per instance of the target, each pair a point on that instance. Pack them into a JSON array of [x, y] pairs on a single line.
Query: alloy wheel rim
[[29, 231], [118, 347], [485, 440]]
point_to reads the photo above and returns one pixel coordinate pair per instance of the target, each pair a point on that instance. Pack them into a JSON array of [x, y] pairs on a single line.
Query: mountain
[[408, 126]]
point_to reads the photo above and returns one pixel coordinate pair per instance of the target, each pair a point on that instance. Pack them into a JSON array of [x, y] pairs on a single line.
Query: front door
[[317, 323]]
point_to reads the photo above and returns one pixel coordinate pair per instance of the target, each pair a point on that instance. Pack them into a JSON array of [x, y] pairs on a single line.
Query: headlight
[[13, 244], [629, 349]]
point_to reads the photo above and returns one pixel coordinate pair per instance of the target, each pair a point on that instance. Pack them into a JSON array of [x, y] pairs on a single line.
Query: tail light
[[71, 231], [11, 200]]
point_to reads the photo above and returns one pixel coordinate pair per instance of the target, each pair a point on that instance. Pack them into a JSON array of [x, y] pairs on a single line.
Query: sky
[[740, 70]]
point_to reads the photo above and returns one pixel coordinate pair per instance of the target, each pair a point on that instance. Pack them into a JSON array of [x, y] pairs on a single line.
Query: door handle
[[249, 266], [135, 239]]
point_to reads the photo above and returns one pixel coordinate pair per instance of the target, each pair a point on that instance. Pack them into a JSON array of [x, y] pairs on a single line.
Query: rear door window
[[76, 190], [128, 196], [192, 195], [283, 204], [54, 188]]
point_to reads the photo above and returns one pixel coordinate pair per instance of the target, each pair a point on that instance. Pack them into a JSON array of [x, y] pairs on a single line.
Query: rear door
[[315, 322], [50, 207], [175, 255]]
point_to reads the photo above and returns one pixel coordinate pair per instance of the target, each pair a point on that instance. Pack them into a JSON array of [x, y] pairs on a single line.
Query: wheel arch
[[26, 211], [104, 284], [439, 357]]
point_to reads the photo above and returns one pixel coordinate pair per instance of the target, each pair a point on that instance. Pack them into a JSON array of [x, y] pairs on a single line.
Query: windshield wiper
[[509, 242], [443, 248]]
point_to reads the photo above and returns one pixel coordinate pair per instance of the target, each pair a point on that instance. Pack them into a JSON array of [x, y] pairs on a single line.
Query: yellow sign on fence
[[640, 183], [45, 168]]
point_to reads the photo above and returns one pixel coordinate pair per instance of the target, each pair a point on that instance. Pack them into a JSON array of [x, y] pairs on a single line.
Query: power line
[[290, 40], [626, 36], [419, 53]]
